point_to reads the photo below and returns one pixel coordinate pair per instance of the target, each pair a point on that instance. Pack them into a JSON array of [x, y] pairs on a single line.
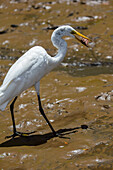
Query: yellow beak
[[76, 33]]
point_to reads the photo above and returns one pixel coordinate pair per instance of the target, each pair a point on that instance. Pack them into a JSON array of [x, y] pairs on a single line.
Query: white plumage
[[33, 65], [24, 73]]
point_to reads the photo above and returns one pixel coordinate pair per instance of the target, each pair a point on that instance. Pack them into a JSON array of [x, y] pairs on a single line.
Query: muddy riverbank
[[77, 96]]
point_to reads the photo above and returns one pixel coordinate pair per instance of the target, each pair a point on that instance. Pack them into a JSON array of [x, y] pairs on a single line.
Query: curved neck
[[61, 45], [62, 49]]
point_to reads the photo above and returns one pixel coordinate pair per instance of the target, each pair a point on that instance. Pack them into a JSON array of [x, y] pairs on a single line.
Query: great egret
[[31, 67]]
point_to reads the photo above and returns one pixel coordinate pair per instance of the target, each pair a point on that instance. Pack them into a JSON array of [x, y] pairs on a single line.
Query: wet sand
[[76, 95]]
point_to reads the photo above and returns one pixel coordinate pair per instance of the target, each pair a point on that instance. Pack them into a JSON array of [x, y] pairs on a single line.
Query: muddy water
[[81, 87]]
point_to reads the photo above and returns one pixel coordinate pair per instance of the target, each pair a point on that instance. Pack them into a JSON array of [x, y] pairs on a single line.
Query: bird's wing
[[33, 56]]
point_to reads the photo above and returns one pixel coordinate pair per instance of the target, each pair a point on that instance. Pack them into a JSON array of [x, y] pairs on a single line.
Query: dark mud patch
[[86, 69]]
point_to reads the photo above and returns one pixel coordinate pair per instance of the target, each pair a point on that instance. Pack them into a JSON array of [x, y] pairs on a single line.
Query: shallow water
[[83, 71], [76, 95]]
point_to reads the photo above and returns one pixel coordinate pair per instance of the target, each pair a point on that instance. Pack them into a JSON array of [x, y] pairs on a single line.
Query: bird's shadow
[[36, 139]]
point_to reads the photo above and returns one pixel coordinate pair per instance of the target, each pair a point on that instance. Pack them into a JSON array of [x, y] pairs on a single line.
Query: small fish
[[84, 41]]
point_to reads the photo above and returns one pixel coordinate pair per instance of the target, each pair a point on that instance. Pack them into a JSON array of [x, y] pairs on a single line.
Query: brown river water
[[77, 96]]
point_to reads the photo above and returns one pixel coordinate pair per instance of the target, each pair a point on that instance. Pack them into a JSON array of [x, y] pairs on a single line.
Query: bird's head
[[67, 30]]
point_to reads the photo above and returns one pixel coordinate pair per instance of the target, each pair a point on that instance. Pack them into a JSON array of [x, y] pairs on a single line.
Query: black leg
[[12, 114], [43, 114], [15, 133], [13, 119]]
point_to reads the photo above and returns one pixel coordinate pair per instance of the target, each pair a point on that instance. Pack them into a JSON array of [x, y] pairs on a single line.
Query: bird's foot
[[60, 135], [56, 134], [21, 134]]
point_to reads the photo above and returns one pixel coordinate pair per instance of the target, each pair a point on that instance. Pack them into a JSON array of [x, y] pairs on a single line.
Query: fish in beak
[[82, 38]]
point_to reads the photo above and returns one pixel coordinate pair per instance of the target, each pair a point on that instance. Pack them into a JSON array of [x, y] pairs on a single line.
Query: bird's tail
[[3, 103]]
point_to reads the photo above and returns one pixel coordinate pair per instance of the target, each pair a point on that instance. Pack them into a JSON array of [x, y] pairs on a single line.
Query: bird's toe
[[21, 134]]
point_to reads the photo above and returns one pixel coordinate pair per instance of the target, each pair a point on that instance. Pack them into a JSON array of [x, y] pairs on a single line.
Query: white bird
[[31, 67]]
